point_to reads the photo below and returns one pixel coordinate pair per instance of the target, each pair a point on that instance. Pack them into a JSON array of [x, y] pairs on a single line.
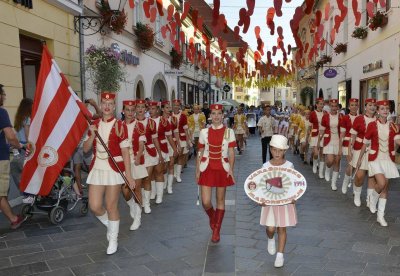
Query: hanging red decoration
[[318, 18], [370, 9], [309, 6], [289, 47], [236, 32], [131, 4], [170, 12], [278, 7], [159, 5], [357, 14], [257, 31], [327, 9], [215, 14], [280, 32], [244, 20], [250, 7], [146, 9], [153, 14], [382, 3]]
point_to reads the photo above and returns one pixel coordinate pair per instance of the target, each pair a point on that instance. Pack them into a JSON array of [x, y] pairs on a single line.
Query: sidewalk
[[332, 238]]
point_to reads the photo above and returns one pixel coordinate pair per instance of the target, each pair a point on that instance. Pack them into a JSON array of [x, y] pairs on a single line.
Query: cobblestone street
[[332, 237]]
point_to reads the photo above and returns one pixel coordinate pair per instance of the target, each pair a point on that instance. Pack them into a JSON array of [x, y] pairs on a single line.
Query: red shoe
[[18, 222], [211, 214], [218, 217]]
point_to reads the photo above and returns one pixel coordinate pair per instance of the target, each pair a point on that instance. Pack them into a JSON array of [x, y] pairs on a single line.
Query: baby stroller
[[61, 199]]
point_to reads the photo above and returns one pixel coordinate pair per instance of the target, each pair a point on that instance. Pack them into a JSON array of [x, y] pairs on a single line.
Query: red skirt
[[215, 178]]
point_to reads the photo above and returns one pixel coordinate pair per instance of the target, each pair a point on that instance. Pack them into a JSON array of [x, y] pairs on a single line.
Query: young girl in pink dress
[[278, 217]]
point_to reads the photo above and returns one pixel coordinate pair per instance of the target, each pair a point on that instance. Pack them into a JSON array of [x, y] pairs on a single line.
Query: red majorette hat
[[383, 102], [216, 106], [129, 103], [107, 96], [165, 102], [353, 100], [152, 103], [140, 101], [333, 101], [275, 182], [319, 100], [370, 100], [176, 101]]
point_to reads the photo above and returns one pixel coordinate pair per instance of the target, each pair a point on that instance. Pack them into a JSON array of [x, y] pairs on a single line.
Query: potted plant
[[379, 20], [177, 59], [360, 33], [106, 72], [116, 22], [324, 59], [145, 36], [340, 48]]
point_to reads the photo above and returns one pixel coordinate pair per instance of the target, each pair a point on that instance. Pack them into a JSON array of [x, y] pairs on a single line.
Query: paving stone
[[96, 268], [246, 252], [41, 231], [26, 269], [122, 253], [220, 259], [5, 262], [26, 241], [345, 266], [69, 261], [371, 248], [58, 272], [35, 257], [379, 269], [381, 259], [310, 251], [20, 250], [167, 266], [139, 271], [245, 242], [339, 254], [132, 262], [82, 226], [308, 271], [243, 264], [82, 249]]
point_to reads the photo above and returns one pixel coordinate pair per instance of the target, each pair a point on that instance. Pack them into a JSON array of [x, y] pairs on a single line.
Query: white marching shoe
[[138, 218], [345, 183], [357, 195], [335, 176], [373, 200], [170, 182], [381, 212], [178, 173], [103, 218], [328, 173], [279, 260], [271, 246], [315, 166], [153, 190], [112, 235], [160, 192], [369, 192], [131, 203], [146, 202], [321, 169]]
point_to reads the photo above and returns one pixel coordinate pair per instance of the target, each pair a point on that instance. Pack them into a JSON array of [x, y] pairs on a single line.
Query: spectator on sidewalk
[[7, 132]]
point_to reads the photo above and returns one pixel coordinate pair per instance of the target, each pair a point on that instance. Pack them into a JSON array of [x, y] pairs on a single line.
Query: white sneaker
[[279, 260], [271, 246], [138, 215], [28, 200]]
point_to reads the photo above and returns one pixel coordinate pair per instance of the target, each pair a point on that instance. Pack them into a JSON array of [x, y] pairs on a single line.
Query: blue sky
[[231, 10]]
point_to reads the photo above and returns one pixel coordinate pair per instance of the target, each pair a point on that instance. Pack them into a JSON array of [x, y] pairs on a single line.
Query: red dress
[[215, 175]]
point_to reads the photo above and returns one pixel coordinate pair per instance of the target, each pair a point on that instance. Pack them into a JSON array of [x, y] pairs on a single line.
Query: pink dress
[[279, 215]]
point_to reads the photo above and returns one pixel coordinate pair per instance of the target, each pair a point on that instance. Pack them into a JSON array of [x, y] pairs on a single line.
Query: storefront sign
[[203, 85], [226, 88], [330, 73], [372, 66], [174, 73], [124, 56]]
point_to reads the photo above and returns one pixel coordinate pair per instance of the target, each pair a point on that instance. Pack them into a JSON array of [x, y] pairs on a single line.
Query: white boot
[[271, 246], [381, 212], [131, 203], [146, 202], [335, 176], [357, 195], [165, 180], [321, 169], [112, 234], [178, 173], [153, 190], [328, 173], [315, 166], [373, 200], [138, 217], [103, 218], [170, 182], [160, 192], [346, 181], [369, 192]]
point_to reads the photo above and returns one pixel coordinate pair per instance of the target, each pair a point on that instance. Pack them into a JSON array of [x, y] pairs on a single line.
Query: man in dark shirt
[[6, 132], [206, 110]]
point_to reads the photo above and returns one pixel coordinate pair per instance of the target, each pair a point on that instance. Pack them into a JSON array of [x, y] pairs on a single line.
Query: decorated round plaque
[[275, 185]]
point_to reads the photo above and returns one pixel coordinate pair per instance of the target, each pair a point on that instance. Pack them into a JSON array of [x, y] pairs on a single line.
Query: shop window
[[31, 51], [377, 88], [342, 93], [183, 91], [137, 12], [158, 38]]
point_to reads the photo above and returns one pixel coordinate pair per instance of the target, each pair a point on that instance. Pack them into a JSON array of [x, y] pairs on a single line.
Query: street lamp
[[96, 23]]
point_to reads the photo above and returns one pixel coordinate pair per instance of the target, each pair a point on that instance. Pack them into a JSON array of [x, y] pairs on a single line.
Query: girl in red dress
[[216, 159]]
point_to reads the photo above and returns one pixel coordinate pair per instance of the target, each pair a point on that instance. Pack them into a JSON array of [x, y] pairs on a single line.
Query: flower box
[[379, 20], [145, 36], [177, 59], [340, 48], [360, 33]]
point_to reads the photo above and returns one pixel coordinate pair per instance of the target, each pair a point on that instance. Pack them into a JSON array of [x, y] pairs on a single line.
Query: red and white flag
[[57, 124]]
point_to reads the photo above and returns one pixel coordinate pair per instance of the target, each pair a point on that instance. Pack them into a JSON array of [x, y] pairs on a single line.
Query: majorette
[[315, 120]]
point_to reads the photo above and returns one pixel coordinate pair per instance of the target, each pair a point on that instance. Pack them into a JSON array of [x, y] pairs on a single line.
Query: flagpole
[[114, 162]]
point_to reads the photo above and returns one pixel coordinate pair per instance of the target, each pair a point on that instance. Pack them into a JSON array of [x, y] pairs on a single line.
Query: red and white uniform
[[163, 130], [359, 128], [345, 126], [136, 134], [102, 170], [182, 127], [381, 156], [150, 154], [173, 124], [315, 120], [214, 164], [331, 127]]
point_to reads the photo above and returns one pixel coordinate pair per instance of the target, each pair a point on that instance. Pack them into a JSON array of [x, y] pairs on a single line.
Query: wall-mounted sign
[[330, 73], [372, 66], [203, 85], [226, 88], [174, 73], [124, 56]]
